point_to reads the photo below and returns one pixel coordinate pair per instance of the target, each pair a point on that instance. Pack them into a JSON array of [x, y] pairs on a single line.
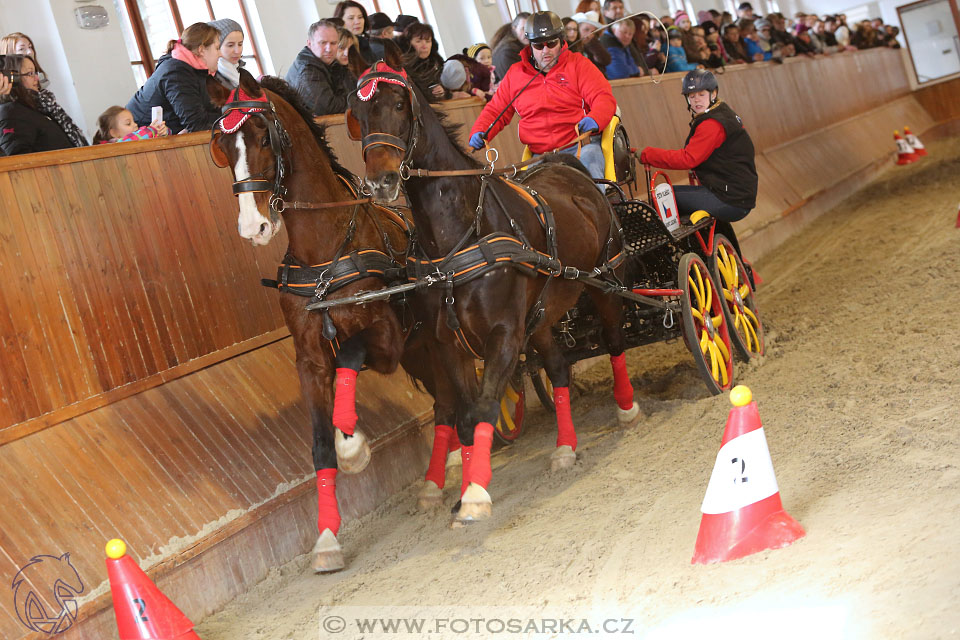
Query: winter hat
[[403, 21], [680, 15], [590, 17], [379, 21], [453, 75], [226, 26], [761, 24], [473, 50]]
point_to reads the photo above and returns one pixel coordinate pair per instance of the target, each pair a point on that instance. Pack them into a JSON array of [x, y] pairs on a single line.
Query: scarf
[[183, 54], [229, 73], [47, 104]]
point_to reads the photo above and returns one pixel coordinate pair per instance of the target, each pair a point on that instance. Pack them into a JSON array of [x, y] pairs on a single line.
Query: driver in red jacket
[[559, 95]]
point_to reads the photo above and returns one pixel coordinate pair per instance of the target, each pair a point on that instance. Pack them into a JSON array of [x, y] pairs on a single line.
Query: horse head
[[251, 139], [384, 114]]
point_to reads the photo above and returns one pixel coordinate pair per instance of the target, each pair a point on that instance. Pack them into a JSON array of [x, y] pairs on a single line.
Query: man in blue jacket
[[625, 59]]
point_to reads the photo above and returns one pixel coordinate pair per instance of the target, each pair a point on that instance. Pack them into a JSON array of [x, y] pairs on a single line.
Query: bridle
[[280, 144], [366, 88]]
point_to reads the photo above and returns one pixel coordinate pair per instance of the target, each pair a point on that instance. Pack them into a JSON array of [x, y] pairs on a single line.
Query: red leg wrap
[[437, 471], [622, 389], [566, 434], [466, 453], [454, 442], [345, 401], [480, 471], [328, 514]]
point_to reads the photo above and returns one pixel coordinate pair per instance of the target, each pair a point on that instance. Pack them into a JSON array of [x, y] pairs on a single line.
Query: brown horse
[[492, 315], [302, 186]]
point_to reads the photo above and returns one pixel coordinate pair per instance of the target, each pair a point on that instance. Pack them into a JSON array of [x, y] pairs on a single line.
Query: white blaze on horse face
[[250, 224]]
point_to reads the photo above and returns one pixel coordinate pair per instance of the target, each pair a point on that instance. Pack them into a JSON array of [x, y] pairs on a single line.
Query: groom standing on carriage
[[558, 94]]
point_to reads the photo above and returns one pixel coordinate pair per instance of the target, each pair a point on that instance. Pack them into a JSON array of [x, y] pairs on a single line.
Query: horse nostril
[[391, 179], [263, 228]]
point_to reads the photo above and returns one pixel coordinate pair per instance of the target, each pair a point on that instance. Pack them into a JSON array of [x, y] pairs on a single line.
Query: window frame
[[143, 45]]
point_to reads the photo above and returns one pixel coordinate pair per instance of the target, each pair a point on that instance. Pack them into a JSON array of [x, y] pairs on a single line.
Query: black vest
[[730, 172]]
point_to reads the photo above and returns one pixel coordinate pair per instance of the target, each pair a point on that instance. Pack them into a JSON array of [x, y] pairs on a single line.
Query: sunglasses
[[549, 44]]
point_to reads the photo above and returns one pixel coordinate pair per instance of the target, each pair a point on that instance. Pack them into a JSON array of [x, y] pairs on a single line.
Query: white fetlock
[[562, 458], [627, 416], [475, 504], [454, 459], [430, 496], [327, 555], [353, 453]]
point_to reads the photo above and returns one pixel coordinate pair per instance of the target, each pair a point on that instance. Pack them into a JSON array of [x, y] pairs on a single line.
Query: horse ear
[[354, 132], [392, 54], [216, 151], [218, 93], [249, 84]]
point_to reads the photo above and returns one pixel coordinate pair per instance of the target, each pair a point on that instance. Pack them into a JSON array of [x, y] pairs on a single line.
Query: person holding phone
[[25, 125], [558, 94], [179, 84]]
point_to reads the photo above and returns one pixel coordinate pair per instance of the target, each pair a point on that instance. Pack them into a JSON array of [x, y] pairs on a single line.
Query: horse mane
[[451, 129], [290, 95]]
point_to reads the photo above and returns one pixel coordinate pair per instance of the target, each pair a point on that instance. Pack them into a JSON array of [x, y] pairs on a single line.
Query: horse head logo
[[45, 594]]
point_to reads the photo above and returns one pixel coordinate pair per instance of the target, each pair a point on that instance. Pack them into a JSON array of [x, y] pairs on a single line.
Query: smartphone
[[156, 114]]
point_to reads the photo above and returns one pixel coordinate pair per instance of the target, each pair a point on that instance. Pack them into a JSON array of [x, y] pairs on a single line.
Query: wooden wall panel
[[941, 100]]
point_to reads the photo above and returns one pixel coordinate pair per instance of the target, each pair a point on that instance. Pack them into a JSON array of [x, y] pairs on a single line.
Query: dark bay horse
[[273, 177], [492, 315]]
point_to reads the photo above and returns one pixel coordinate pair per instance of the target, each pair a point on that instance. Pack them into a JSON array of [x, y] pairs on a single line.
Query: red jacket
[[552, 105]]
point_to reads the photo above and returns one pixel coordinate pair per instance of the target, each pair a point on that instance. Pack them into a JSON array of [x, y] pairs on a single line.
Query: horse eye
[[265, 142], [399, 106]]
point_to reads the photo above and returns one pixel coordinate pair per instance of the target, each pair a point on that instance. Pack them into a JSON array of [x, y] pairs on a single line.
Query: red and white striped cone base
[[742, 512], [914, 142], [905, 153]]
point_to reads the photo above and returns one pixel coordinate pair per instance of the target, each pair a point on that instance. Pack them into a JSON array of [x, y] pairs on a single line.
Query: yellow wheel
[[740, 301], [704, 324]]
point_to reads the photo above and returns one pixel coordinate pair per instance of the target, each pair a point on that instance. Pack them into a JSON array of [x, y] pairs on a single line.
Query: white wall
[[88, 69], [285, 24]]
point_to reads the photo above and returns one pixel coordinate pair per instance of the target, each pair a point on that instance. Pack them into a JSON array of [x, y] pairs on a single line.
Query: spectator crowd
[[338, 49]]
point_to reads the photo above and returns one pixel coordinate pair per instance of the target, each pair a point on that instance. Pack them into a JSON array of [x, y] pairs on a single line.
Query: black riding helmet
[[543, 26], [699, 80]]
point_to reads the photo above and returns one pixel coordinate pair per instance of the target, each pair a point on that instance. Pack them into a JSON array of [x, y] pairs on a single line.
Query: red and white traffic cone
[[742, 513], [914, 142], [905, 154], [142, 611]]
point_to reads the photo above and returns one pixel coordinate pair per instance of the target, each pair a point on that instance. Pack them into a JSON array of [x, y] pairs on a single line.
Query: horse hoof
[[454, 459], [327, 555], [628, 416], [475, 505], [430, 496], [562, 458], [353, 453]]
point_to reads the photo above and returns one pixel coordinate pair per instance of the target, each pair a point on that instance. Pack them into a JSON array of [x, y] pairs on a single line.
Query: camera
[[13, 76]]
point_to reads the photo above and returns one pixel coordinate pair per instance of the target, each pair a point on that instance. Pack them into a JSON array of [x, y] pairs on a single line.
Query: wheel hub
[[738, 299], [711, 331]]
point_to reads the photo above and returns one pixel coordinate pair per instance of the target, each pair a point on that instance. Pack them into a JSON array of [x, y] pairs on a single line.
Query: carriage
[[684, 280]]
